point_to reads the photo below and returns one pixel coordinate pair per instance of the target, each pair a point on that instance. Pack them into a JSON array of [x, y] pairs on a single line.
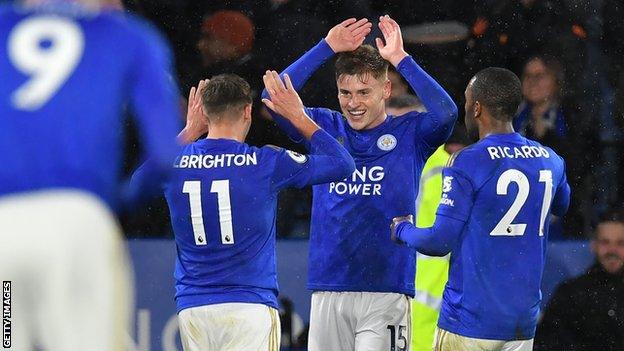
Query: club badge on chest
[[386, 142]]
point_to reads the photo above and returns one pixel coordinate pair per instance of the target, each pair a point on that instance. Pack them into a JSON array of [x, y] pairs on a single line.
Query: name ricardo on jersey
[[365, 181], [215, 161], [517, 152]]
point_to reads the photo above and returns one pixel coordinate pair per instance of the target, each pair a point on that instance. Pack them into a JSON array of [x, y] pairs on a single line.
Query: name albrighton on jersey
[[215, 161]]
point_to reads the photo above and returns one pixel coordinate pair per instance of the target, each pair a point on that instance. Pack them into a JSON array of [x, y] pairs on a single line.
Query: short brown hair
[[361, 61], [225, 93]]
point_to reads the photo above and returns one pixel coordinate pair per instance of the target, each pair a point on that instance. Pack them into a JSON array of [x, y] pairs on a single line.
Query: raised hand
[[284, 98], [392, 51], [286, 102], [348, 35], [196, 121]]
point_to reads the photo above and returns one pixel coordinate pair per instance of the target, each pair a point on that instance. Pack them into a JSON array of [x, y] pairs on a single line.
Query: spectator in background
[[541, 116], [402, 104], [225, 45], [398, 84], [587, 313]]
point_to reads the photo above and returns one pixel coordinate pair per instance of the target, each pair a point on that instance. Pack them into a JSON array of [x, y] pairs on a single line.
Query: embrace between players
[[493, 217]]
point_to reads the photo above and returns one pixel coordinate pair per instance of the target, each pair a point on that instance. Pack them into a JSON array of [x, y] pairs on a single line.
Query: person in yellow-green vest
[[431, 272]]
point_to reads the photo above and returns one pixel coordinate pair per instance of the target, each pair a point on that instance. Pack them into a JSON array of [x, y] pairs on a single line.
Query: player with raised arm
[[497, 196], [62, 101], [223, 198], [361, 280]]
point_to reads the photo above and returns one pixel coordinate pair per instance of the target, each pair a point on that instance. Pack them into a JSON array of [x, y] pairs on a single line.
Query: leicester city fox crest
[[386, 142]]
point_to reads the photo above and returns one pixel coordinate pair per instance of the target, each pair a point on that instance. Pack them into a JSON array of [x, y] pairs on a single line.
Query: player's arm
[[451, 217], [154, 100], [346, 36], [442, 111], [561, 200], [327, 161], [142, 180]]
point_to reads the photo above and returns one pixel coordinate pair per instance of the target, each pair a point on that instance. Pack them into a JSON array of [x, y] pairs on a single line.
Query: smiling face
[[362, 99], [609, 246]]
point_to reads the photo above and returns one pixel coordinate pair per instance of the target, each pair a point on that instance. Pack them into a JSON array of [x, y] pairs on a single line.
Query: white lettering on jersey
[[365, 181], [446, 201], [525, 151], [214, 161], [446, 187], [297, 157]]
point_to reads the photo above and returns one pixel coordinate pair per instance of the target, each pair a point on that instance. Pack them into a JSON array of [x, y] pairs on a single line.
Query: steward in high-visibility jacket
[[431, 272]]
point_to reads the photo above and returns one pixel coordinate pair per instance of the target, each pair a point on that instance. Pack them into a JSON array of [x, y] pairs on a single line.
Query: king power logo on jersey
[[363, 181]]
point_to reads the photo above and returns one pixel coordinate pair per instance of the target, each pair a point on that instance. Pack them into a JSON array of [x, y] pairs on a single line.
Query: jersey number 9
[[47, 49]]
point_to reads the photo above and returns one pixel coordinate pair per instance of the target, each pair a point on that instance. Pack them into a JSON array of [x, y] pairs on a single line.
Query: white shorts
[[359, 321], [447, 341], [69, 272], [230, 327]]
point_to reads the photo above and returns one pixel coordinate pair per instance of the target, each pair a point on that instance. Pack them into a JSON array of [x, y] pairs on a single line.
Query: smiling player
[[361, 280]]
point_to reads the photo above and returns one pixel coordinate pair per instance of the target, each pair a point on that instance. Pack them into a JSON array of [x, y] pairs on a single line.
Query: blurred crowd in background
[[569, 55]]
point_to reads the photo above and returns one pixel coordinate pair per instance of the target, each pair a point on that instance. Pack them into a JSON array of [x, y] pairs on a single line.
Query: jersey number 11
[[222, 189]]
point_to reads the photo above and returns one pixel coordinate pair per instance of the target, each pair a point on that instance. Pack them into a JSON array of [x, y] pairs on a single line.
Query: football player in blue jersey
[[361, 281], [223, 198], [69, 69], [497, 199]]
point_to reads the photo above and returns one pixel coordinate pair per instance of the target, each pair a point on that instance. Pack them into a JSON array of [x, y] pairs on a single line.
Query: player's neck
[[496, 127], [226, 132]]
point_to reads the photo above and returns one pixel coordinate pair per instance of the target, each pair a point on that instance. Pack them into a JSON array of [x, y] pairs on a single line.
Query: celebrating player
[[361, 280], [223, 197], [62, 101], [497, 198]]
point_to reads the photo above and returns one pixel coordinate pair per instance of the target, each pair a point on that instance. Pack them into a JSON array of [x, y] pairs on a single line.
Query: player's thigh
[[56, 240], [384, 322], [518, 345], [331, 321], [230, 326], [447, 341], [92, 279]]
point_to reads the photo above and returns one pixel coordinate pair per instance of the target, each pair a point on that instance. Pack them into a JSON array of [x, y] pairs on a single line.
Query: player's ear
[[477, 109], [247, 111], [387, 89]]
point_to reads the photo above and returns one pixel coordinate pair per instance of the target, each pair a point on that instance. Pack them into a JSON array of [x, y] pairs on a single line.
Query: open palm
[[392, 50], [348, 35]]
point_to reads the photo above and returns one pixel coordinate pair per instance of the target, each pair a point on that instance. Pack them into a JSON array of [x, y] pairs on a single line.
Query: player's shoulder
[[134, 28], [276, 152], [467, 156], [546, 151], [408, 117], [323, 113]]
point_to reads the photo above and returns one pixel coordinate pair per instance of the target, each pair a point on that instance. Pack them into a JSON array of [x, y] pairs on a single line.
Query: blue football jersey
[[222, 198], [349, 246], [504, 188], [67, 75]]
